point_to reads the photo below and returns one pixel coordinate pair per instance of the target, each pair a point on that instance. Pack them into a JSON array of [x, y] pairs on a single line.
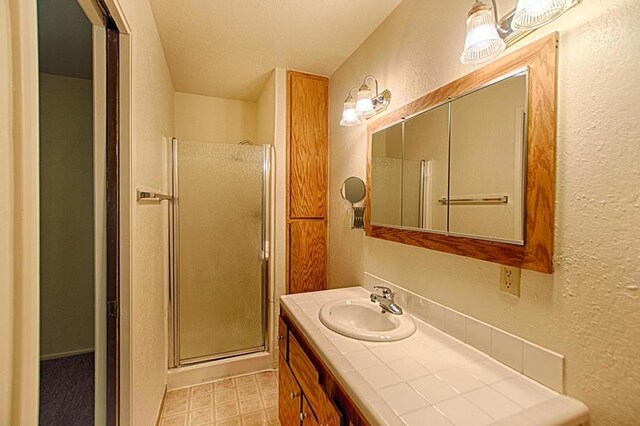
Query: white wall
[[588, 310], [209, 119], [66, 216], [152, 120]]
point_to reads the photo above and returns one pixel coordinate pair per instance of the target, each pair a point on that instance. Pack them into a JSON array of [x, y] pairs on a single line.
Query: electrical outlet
[[510, 280]]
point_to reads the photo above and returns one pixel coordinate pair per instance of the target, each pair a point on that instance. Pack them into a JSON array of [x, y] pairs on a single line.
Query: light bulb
[[482, 42], [532, 14], [364, 106], [349, 116]]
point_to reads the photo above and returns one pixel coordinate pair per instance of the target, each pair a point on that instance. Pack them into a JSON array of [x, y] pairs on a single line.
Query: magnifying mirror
[[353, 190]]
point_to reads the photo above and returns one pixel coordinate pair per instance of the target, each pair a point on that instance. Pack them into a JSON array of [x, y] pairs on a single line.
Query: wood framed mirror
[[402, 208]]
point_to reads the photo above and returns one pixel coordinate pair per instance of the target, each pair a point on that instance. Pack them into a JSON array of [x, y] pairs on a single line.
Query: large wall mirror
[[469, 168]]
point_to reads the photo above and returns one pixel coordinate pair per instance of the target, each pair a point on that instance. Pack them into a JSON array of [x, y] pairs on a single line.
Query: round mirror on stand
[[354, 190]]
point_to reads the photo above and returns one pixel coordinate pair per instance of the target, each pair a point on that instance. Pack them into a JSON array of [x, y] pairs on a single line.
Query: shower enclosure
[[219, 250]]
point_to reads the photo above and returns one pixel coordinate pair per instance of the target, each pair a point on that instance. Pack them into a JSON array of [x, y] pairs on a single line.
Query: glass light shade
[[349, 116], [364, 106], [482, 42], [532, 14]]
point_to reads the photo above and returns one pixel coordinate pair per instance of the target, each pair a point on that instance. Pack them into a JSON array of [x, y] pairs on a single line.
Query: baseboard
[[66, 354], [164, 398]]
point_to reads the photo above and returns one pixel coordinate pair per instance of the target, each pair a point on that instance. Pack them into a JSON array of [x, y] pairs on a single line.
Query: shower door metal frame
[[174, 264]]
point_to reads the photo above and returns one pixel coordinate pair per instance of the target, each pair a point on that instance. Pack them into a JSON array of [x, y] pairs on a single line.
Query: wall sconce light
[[364, 106], [487, 36], [349, 115]]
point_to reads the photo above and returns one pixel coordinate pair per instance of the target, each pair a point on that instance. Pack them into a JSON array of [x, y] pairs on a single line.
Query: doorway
[[79, 213]]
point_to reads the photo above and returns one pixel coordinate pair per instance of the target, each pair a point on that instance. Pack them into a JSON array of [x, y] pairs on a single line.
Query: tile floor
[[237, 401]]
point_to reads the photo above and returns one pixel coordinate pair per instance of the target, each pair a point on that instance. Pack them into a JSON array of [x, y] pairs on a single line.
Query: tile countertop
[[428, 378]]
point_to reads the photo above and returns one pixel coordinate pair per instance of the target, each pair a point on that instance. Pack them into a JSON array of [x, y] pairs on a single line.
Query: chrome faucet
[[385, 300]]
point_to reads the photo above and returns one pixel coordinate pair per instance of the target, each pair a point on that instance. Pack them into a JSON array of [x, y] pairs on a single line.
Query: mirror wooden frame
[[536, 254]]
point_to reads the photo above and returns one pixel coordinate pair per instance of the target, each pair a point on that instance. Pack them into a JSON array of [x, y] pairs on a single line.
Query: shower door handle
[[264, 255]]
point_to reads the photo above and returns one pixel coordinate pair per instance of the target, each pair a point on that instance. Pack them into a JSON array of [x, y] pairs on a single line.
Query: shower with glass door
[[219, 246]]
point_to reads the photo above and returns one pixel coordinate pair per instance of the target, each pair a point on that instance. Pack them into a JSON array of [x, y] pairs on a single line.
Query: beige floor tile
[[272, 414], [224, 384], [229, 422], [225, 395], [245, 380], [258, 418], [251, 404], [180, 420], [201, 417], [270, 399], [175, 407], [268, 386], [178, 394], [265, 375], [248, 391], [226, 411], [201, 401], [200, 389]]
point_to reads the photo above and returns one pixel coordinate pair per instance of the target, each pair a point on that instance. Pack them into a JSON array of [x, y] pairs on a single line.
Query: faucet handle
[[386, 291]]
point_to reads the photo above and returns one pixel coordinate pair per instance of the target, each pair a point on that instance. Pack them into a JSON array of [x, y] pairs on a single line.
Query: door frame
[[26, 234]]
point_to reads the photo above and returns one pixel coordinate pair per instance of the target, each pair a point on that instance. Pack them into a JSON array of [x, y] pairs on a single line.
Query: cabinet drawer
[[283, 340], [309, 379], [303, 369]]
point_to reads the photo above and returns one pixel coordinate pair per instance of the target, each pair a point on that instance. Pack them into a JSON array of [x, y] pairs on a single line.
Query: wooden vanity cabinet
[[323, 402]]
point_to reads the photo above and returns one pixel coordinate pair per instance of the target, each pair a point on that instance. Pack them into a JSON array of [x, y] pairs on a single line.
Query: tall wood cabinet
[[307, 181]]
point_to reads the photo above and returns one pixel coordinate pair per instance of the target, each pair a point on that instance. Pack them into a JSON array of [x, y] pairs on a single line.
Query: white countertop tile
[[462, 412], [402, 398], [427, 378], [493, 403], [433, 389], [426, 416]]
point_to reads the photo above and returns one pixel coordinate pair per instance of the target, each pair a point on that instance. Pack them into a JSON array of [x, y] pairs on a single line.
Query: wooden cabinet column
[[307, 181]]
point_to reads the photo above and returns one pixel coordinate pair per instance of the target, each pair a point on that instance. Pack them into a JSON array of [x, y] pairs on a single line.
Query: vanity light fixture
[[482, 42], [349, 115], [531, 14], [365, 106], [487, 36]]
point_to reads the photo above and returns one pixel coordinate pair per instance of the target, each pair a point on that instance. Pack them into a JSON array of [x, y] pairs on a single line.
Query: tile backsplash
[[535, 362]]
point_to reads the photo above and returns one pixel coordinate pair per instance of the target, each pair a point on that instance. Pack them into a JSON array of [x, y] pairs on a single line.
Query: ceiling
[[228, 48], [64, 39]]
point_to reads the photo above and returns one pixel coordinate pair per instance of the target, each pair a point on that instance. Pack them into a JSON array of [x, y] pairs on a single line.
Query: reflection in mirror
[[487, 161], [425, 168], [386, 176], [353, 189]]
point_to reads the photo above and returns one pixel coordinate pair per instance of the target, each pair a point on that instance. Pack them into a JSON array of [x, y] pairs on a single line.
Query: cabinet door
[[308, 138], [306, 414], [307, 256], [289, 403]]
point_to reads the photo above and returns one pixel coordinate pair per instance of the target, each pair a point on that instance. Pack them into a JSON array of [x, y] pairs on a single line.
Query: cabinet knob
[[303, 416], [280, 337], [293, 395]]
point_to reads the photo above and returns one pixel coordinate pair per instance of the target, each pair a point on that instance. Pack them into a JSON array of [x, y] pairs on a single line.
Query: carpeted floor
[[66, 391]]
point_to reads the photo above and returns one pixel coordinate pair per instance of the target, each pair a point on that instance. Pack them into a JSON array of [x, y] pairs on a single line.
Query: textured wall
[[209, 119], [589, 309], [66, 215], [6, 215], [152, 121]]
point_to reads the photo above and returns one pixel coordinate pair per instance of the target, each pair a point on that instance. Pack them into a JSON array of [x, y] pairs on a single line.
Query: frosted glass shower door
[[219, 235]]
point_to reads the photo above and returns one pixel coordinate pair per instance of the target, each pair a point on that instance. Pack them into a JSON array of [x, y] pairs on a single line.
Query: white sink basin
[[360, 319]]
